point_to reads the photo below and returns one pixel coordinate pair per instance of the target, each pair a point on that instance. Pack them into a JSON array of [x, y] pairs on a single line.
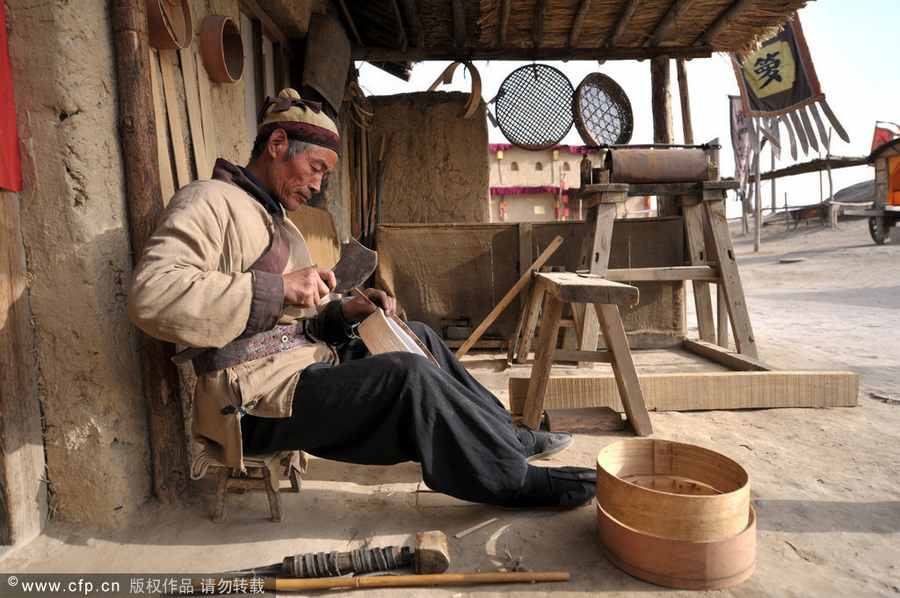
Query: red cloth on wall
[[10, 165]]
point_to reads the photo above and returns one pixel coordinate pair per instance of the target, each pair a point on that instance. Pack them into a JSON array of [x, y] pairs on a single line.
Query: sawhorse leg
[[693, 227], [543, 362], [623, 367], [714, 206]]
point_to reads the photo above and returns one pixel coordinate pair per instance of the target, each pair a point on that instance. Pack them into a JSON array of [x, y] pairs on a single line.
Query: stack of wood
[[675, 514]]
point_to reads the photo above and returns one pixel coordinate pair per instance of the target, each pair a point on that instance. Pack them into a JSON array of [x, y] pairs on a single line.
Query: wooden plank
[[168, 60], [209, 127], [591, 356], [166, 182], [535, 302], [722, 317], [623, 368], [700, 391], [731, 279], [696, 245], [484, 343], [510, 295], [578, 22], [23, 493], [729, 359], [669, 22], [663, 274], [589, 420], [195, 117], [543, 362], [526, 246], [570, 287]]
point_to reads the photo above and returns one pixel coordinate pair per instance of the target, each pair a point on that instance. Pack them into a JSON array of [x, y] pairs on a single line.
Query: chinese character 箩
[[768, 68]]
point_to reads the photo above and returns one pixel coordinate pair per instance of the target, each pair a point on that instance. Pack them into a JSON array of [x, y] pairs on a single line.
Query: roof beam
[[537, 24], [668, 22], [504, 8], [459, 24], [578, 23], [622, 23], [350, 22], [736, 7], [401, 30], [518, 53], [411, 16]]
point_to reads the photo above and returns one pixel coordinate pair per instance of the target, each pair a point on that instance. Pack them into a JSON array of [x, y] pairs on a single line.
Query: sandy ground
[[825, 482]]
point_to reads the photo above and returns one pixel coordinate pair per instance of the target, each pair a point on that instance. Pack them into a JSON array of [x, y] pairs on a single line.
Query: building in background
[[537, 186]]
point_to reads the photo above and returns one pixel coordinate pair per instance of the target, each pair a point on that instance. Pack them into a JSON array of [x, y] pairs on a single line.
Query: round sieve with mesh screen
[[602, 111], [533, 106]]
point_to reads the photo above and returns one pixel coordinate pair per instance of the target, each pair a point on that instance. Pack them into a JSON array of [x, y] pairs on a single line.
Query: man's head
[[296, 147]]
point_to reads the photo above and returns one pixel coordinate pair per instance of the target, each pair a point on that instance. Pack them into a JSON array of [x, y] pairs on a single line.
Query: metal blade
[[356, 265]]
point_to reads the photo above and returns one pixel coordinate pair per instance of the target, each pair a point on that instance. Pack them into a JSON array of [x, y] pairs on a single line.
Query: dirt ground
[[824, 482]]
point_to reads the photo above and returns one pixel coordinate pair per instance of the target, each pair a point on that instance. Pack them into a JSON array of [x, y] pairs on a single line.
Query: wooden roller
[[673, 490]]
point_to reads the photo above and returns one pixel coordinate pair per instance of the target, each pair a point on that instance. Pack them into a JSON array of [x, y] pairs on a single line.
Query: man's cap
[[301, 119]]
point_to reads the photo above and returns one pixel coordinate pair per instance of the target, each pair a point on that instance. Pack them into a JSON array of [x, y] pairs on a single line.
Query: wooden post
[[774, 207], [685, 97], [833, 211], [145, 204], [23, 493], [660, 81], [757, 207]]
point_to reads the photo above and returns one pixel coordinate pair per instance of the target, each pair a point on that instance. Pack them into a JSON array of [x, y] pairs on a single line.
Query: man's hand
[[306, 287], [357, 308]]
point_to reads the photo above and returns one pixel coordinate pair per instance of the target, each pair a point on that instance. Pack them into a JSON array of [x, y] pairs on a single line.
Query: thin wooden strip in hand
[[195, 119], [168, 60], [510, 295], [166, 182]]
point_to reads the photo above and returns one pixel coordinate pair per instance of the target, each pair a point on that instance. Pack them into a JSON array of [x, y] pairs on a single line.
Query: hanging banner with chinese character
[[10, 167], [779, 87], [740, 140]]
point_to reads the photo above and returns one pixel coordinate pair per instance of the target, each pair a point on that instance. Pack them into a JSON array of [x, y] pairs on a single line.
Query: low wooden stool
[[606, 296], [261, 475]]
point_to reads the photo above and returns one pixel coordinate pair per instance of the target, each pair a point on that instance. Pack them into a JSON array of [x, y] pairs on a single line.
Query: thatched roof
[[399, 30]]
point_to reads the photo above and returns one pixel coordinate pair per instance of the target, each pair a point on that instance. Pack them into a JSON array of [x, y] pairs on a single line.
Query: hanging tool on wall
[[474, 96]]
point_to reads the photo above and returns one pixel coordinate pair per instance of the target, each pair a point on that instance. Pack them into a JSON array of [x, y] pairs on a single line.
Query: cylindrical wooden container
[[677, 563], [222, 49], [673, 490]]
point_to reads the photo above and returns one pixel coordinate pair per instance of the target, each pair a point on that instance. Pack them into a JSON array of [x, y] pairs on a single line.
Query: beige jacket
[[193, 286]]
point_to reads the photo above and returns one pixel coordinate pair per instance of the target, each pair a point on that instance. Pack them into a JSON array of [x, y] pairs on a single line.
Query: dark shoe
[[557, 487], [540, 445]]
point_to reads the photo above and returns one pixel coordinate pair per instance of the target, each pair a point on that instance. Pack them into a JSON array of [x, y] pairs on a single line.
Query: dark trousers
[[394, 407]]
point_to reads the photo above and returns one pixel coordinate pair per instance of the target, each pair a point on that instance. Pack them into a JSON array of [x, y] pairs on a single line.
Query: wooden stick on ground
[[408, 581], [510, 295]]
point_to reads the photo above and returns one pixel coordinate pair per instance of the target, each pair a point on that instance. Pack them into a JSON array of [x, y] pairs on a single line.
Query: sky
[[856, 52]]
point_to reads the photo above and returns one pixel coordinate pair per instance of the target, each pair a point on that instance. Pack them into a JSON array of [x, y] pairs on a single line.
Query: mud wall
[[75, 234], [437, 169]]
